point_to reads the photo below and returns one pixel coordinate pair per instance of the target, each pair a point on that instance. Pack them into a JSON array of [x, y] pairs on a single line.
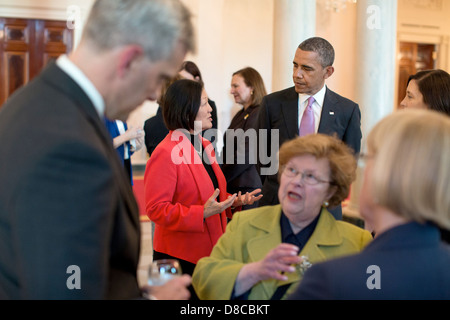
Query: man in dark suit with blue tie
[[283, 111]]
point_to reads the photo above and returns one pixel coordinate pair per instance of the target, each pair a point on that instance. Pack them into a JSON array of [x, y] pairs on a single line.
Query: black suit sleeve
[[352, 136]]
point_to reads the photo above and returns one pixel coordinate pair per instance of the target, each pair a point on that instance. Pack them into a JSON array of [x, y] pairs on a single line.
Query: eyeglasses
[[307, 177]]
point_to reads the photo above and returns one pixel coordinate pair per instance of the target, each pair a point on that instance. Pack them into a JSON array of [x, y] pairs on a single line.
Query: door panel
[[26, 46], [16, 64]]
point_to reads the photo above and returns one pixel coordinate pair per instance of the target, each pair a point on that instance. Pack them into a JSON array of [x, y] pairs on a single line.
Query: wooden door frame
[[439, 40]]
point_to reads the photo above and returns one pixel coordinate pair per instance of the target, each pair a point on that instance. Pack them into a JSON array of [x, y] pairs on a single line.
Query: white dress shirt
[[86, 85]]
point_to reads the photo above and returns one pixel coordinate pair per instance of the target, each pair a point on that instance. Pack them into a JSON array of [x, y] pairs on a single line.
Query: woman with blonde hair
[[405, 197]]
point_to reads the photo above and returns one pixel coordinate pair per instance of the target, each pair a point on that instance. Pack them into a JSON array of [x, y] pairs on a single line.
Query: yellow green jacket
[[251, 234]]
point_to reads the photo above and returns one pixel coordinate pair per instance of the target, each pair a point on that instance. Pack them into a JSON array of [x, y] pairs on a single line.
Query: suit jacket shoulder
[[155, 131], [284, 93], [337, 98]]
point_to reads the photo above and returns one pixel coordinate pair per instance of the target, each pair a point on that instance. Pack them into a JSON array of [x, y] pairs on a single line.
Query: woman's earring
[[326, 204]]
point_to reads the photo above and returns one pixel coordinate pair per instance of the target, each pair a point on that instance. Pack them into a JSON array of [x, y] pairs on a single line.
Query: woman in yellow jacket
[[262, 253]]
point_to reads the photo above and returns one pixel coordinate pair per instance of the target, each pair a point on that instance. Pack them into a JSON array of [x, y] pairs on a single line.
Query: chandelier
[[337, 5]]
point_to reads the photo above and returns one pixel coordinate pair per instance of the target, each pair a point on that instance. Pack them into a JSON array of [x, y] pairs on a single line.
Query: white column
[[294, 21], [375, 75], [376, 47]]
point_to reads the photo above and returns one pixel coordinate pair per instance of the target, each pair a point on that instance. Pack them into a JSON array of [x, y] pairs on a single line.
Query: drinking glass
[[303, 266], [161, 271]]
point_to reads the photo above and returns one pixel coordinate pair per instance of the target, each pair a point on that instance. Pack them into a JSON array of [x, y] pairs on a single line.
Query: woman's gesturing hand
[[213, 207], [247, 198]]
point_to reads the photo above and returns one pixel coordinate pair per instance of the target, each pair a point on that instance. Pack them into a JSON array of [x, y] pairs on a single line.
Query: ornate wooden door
[[26, 46]]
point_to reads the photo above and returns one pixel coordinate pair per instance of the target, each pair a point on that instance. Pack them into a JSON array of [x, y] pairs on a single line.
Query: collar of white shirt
[[318, 97], [86, 85]]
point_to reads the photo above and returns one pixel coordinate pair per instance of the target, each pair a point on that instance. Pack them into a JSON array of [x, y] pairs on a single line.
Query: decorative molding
[[419, 38], [420, 26], [48, 10], [27, 9], [335, 5], [425, 4]]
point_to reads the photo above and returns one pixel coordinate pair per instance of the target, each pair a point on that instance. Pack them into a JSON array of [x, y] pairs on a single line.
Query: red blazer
[[177, 186]]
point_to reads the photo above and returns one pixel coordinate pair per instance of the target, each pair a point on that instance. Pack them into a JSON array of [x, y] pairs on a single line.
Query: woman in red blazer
[[185, 189]]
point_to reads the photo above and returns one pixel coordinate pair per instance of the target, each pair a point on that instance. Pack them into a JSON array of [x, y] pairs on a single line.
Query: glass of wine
[[161, 271]]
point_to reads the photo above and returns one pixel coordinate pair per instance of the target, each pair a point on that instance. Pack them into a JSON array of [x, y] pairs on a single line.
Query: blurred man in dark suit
[[69, 224]]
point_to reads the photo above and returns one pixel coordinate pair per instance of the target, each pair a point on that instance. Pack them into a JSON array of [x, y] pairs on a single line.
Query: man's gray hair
[[322, 47], [156, 25]]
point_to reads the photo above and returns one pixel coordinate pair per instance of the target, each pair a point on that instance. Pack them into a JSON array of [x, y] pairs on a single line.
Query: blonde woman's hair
[[340, 158], [411, 169]]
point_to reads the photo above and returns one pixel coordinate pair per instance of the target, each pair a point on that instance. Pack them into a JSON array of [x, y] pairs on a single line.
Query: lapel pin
[[331, 113]]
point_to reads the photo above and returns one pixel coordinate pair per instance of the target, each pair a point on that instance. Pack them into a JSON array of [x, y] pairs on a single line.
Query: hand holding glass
[[161, 271]]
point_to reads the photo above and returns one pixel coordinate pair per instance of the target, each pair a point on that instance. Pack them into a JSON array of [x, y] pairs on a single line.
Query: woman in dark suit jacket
[[404, 197], [185, 190], [239, 151]]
